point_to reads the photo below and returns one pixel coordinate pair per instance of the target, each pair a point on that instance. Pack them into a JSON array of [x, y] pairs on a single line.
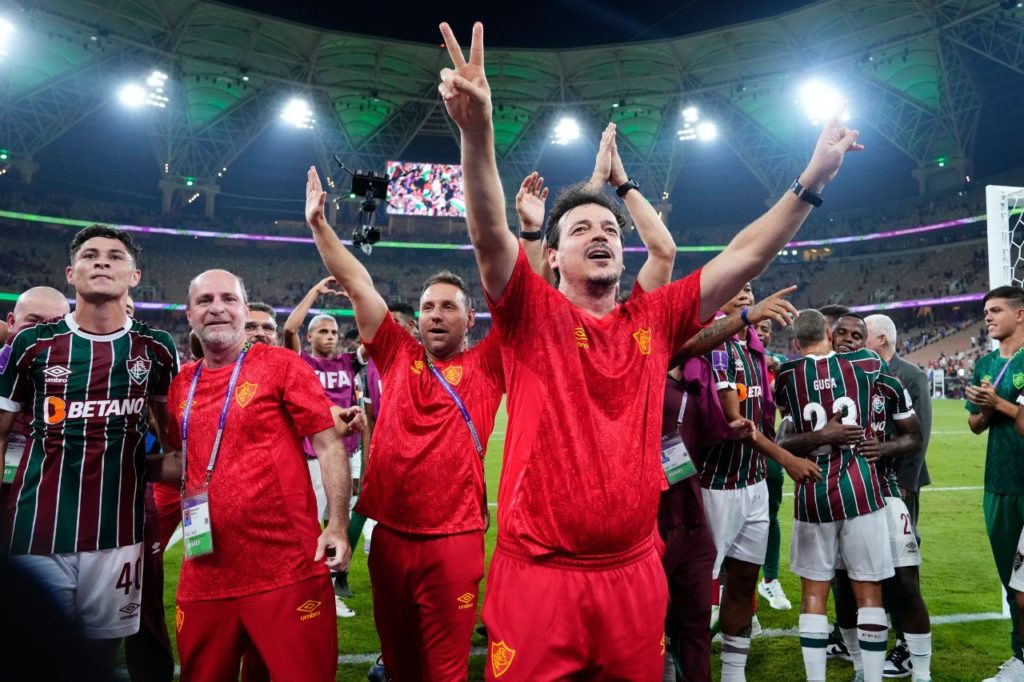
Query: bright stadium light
[[132, 95], [6, 36], [707, 131], [298, 113], [820, 101], [691, 115], [567, 130]]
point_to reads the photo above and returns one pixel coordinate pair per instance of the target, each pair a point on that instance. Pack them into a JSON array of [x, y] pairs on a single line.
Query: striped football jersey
[[891, 403], [80, 485], [809, 391]]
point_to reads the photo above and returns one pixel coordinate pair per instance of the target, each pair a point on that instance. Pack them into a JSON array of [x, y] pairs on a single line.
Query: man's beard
[[220, 338], [600, 285]]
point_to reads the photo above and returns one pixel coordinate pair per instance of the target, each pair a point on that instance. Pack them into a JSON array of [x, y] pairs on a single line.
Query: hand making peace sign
[[465, 91]]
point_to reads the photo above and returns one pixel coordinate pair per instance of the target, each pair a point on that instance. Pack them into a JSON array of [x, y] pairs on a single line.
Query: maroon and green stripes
[[810, 391]]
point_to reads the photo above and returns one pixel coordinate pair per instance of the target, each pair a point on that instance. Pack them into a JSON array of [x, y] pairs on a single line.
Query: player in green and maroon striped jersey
[[839, 518], [75, 516]]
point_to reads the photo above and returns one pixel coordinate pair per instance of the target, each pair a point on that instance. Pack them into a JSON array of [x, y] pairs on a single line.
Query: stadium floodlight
[[567, 130], [6, 34], [132, 95], [707, 131], [691, 115], [298, 113], [820, 101]]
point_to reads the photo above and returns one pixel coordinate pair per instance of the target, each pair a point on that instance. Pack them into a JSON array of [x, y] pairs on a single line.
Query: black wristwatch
[[624, 188], [805, 194], [534, 236]]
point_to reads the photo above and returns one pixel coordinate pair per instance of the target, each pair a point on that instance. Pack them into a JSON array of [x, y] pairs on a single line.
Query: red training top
[[262, 507], [582, 470], [424, 474]]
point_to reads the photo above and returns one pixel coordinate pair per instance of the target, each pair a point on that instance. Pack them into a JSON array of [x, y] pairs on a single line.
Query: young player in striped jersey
[[732, 474], [897, 433], [75, 517], [842, 516]]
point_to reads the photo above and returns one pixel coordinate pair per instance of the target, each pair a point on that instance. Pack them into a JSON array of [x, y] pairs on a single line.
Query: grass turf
[[958, 575]]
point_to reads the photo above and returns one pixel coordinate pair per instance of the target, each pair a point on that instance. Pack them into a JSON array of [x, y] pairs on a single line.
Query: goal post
[[1005, 235]]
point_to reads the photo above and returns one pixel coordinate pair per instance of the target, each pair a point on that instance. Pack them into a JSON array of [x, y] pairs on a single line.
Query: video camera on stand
[[372, 187]]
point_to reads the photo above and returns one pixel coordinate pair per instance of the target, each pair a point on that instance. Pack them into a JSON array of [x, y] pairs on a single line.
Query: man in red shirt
[[254, 572], [585, 376], [424, 478]]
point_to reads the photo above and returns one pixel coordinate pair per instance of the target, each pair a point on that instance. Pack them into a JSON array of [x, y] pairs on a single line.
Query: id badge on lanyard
[[197, 527], [675, 458], [195, 523]]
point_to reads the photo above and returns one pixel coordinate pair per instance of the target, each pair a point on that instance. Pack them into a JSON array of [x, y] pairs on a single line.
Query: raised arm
[[750, 252], [775, 307], [293, 325], [368, 305], [661, 248], [530, 209], [467, 97]]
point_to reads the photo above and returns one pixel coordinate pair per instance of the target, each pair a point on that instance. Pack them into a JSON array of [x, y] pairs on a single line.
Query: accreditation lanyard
[[469, 424], [995, 384], [220, 425], [675, 458]]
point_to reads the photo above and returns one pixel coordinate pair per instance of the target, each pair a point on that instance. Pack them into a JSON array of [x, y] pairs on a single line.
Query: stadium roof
[[905, 64]]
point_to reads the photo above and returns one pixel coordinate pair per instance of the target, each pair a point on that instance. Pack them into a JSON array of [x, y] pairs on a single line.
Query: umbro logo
[[130, 608], [57, 374]]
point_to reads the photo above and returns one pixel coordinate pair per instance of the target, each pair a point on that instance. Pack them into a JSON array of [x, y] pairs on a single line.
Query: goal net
[[1005, 235]]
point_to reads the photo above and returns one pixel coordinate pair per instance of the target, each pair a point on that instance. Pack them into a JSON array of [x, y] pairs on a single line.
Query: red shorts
[[425, 592], [557, 621], [293, 628]]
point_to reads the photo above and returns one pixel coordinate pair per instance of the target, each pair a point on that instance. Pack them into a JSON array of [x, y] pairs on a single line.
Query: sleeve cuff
[[904, 415], [723, 385], [9, 405]]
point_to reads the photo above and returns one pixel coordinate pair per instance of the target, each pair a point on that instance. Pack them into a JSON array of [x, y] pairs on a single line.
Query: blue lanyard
[[458, 403], [220, 426]]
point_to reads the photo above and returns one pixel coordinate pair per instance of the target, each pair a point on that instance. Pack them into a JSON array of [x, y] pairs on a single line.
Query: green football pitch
[[958, 577]]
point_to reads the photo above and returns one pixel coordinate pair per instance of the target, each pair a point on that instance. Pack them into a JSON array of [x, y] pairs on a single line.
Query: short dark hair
[[1013, 294], [107, 232], [449, 277], [261, 307], [352, 335], [856, 316], [834, 310], [809, 327], [403, 308], [576, 195]]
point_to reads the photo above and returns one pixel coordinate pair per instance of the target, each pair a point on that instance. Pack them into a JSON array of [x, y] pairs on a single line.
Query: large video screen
[[426, 189]]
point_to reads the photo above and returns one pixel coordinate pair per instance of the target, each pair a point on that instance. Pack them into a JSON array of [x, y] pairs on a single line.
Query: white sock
[[920, 647], [734, 658], [850, 636], [873, 633], [813, 640]]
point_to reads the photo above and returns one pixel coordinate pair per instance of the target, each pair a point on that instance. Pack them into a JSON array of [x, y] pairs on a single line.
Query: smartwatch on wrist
[[624, 188], [805, 194], [533, 236]]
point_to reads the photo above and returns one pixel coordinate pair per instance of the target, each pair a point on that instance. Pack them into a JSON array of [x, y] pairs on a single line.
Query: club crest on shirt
[[453, 374], [720, 360], [417, 367], [181, 407], [502, 656], [643, 339], [580, 334], [138, 369], [245, 392], [1018, 380], [878, 404]]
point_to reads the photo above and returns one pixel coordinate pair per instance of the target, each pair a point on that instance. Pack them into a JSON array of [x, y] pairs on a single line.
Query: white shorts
[[318, 487], [739, 523], [1017, 575], [859, 545], [101, 591], [355, 463], [902, 538]]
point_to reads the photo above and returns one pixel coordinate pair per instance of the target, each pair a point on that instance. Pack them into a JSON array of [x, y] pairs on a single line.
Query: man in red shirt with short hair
[[424, 478], [259, 576], [585, 376]]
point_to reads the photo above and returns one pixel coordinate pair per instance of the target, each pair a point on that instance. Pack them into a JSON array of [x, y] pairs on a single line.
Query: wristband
[[805, 194], [531, 236], [743, 316], [623, 189]]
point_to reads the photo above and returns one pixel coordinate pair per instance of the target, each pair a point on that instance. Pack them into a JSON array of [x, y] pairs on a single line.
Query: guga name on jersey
[[57, 410]]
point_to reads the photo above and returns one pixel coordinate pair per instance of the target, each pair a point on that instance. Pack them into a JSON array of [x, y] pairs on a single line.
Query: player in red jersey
[[254, 571], [424, 481], [582, 475]]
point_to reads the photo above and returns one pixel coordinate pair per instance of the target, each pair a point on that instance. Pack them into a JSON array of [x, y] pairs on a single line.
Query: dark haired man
[[75, 517], [576, 528], [424, 480], [261, 324], [992, 402]]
